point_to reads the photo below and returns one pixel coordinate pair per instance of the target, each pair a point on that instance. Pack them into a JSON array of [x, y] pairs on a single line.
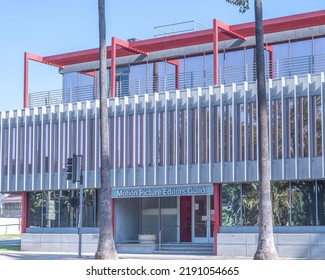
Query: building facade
[[183, 145]]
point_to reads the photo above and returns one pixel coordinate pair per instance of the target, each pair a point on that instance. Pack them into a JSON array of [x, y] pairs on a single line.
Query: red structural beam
[[24, 210], [126, 46], [26, 74], [283, 23], [175, 62], [219, 32], [215, 51], [226, 30], [219, 29], [37, 58], [217, 217], [194, 38]]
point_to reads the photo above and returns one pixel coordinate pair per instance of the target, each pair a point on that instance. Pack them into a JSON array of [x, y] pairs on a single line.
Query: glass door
[[202, 219]]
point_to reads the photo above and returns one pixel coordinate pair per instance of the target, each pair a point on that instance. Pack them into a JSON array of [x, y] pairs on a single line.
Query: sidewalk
[[22, 255]]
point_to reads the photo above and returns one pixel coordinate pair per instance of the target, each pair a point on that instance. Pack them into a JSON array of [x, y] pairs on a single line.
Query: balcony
[[311, 64]]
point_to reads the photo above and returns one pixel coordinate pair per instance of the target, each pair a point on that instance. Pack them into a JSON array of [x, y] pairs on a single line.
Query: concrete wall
[[56, 242], [305, 246], [302, 245], [69, 243], [10, 225]]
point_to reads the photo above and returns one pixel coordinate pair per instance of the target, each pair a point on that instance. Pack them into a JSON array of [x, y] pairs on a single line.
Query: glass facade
[[282, 60], [50, 209], [297, 203], [160, 215]]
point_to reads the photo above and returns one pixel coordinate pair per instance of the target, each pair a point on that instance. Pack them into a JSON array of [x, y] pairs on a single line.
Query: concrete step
[[186, 248]]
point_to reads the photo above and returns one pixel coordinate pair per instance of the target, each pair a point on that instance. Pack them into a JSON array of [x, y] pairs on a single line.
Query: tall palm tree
[[106, 246], [265, 248]]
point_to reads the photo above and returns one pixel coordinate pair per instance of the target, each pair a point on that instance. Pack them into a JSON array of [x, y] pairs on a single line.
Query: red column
[[215, 52], [177, 76], [113, 216], [217, 213], [23, 212], [175, 62], [113, 68], [271, 61], [26, 60]]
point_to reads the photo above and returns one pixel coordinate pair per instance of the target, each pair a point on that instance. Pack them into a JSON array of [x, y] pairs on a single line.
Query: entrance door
[[202, 219]]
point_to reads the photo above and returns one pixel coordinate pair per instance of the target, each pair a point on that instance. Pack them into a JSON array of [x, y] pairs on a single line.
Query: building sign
[[162, 191], [50, 210]]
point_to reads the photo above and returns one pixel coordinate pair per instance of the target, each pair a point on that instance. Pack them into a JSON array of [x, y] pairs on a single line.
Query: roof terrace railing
[[178, 28], [227, 75]]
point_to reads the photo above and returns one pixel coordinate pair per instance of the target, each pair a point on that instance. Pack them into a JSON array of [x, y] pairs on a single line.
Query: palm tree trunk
[[265, 247], [106, 247]]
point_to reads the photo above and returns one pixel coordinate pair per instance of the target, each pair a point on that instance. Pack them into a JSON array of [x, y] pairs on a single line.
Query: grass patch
[[9, 248], [9, 236], [5, 246]]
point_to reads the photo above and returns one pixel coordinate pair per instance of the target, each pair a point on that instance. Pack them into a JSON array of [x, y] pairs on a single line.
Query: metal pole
[[77, 178], [80, 182], [80, 218]]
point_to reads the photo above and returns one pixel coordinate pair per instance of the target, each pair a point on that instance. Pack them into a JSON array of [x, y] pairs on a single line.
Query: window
[[303, 203], [61, 208], [231, 205], [294, 204], [250, 204], [281, 203]]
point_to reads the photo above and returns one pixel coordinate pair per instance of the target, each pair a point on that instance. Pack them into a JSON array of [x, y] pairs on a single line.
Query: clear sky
[[48, 27]]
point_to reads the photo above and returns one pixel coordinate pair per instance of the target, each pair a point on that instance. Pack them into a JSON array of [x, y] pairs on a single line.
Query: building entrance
[[202, 219]]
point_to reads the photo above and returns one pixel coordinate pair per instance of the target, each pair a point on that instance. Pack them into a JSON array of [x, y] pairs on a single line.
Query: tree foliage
[[242, 4]]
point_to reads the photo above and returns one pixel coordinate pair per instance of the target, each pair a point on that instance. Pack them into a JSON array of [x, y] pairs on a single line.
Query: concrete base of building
[[69, 243], [302, 245]]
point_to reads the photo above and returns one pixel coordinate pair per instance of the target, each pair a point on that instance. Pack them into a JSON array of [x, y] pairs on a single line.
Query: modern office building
[[182, 140]]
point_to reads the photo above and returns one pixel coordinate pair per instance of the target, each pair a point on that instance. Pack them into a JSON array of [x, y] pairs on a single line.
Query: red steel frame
[[219, 32], [125, 45], [24, 207], [217, 214]]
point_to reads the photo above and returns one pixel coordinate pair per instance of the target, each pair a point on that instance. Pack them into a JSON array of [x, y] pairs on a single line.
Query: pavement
[[24, 255], [29, 255]]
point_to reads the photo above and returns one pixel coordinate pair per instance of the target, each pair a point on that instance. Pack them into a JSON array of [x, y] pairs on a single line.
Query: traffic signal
[[72, 168]]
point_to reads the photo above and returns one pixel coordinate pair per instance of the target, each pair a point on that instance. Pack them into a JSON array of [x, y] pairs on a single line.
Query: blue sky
[[59, 26]]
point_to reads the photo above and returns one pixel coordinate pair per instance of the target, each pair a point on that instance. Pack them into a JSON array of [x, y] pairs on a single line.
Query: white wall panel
[[182, 137]]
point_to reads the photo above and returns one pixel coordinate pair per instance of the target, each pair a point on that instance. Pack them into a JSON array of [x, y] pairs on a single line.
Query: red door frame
[[217, 190], [186, 218], [24, 210]]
